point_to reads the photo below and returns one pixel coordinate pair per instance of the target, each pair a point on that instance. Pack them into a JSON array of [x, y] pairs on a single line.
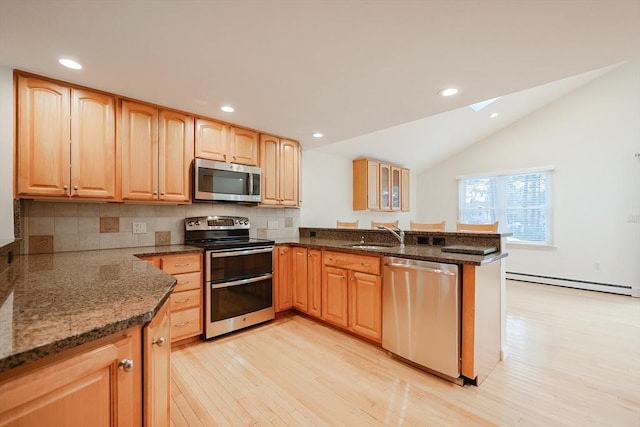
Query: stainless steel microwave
[[226, 182]]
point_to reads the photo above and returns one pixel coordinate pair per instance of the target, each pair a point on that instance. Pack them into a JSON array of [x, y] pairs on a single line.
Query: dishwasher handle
[[419, 267]]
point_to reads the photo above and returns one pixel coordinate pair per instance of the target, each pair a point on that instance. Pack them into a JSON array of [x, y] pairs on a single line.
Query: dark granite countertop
[[419, 252], [52, 302]]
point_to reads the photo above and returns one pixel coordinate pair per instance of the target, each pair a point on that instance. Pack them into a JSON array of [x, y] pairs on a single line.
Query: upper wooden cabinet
[[380, 186], [66, 143], [280, 163], [224, 143], [405, 194], [156, 153]]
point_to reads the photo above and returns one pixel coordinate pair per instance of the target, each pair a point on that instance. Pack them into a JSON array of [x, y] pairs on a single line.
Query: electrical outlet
[[633, 218], [272, 225], [596, 265], [139, 227]]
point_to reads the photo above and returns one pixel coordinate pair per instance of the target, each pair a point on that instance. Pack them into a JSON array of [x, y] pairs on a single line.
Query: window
[[521, 201]]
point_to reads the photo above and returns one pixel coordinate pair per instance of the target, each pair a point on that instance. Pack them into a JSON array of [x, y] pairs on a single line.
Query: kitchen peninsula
[[84, 327], [483, 316]]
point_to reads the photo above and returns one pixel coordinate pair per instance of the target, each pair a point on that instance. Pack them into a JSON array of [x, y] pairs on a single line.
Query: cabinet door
[[283, 285], [373, 185], [405, 182], [43, 138], [385, 184], [157, 370], [139, 128], [175, 149], [211, 140], [93, 145], [289, 166], [365, 305], [395, 188], [269, 157], [88, 388], [300, 271], [314, 283], [334, 296], [244, 146]]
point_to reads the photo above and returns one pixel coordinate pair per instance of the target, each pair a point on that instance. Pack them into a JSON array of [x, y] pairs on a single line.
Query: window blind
[[520, 201]]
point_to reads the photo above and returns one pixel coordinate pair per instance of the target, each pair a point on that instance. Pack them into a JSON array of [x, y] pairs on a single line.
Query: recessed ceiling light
[[318, 135], [227, 108], [449, 91], [70, 63], [493, 115]]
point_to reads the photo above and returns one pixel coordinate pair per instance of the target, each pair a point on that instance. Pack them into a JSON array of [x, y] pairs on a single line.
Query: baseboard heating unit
[[570, 283]]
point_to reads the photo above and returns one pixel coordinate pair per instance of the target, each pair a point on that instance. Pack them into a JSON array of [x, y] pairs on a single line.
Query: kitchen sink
[[370, 246]]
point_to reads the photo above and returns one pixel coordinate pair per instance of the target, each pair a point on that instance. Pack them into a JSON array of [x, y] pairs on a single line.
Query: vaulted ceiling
[[343, 68]]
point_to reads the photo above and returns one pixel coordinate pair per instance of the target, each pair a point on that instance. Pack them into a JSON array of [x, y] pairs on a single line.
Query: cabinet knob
[[162, 193], [75, 188], [155, 193], [65, 187], [126, 365], [159, 342], [234, 157]]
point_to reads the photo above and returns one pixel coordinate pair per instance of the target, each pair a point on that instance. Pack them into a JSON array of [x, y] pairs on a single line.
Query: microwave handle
[[250, 192]]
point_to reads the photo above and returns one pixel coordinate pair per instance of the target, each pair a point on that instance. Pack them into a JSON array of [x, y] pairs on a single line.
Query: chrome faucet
[[400, 236]]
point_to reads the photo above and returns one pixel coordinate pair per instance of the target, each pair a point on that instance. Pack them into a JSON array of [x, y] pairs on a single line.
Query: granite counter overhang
[[53, 302], [418, 252]]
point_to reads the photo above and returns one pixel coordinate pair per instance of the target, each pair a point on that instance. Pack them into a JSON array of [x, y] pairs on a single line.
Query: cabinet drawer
[[187, 281], [186, 323], [176, 264], [363, 263], [185, 299]]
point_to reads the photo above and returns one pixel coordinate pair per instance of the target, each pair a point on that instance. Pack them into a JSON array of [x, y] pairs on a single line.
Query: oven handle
[[241, 282], [241, 252]]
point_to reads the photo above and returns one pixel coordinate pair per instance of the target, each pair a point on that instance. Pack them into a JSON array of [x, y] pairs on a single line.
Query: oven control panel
[[216, 223]]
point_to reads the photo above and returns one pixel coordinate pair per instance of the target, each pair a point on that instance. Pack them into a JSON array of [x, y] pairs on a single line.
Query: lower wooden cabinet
[[283, 283], [352, 293], [157, 369], [314, 283], [335, 307], [365, 305], [185, 301], [98, 384]]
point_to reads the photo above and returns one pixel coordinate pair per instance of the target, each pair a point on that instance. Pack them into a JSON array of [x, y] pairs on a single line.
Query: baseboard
[[571, 283]]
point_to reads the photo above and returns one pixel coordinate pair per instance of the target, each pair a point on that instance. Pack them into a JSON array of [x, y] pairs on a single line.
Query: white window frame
[[501, 208]]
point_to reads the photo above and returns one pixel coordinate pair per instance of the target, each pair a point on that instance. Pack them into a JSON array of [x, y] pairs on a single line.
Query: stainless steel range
[[238, 284]]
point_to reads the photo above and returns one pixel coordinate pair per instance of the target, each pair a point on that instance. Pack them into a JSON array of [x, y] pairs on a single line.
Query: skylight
[[480, 105]]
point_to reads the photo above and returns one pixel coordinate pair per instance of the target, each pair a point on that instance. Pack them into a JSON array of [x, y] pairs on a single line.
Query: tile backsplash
[[70, 226]]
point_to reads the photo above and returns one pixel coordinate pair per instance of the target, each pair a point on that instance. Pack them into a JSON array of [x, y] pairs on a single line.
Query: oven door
[[233, 265], [236, 305]]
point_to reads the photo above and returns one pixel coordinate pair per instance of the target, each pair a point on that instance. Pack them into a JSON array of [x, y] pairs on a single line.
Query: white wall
[[6, 150], [327, 191], [590, 136]]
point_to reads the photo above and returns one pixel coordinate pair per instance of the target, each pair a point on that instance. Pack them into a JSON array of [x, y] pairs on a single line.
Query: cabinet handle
[[126, 365], [185, 282], [182, 301], [234, 157], [181, 265], [180, 325], [224, 156], [159, 342], [365, 264]]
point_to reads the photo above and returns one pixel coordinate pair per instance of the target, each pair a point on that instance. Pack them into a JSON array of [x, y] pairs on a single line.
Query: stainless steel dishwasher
[[421, 313]]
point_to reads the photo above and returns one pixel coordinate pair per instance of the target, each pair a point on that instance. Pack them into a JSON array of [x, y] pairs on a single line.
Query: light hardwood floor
[[574, 360]]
